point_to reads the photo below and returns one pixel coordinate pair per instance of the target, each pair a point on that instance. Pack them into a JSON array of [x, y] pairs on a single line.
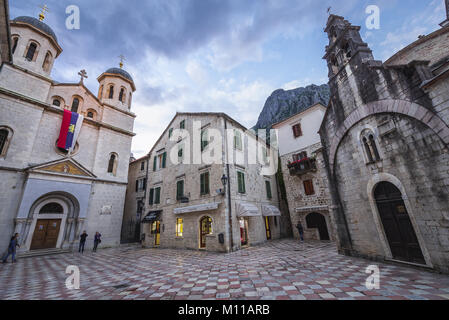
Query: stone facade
[[226, 209], [312, 210], [35, 173], [385, 137]]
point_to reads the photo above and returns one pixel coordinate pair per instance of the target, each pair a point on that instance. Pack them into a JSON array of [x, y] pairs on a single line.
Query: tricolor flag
[[70, 130]]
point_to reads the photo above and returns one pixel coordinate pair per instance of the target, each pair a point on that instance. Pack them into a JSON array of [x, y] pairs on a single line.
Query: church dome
[[37, 24], [120, 72]]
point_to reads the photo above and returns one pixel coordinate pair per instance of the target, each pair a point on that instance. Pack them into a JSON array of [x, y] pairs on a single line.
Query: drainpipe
[[231, 240]]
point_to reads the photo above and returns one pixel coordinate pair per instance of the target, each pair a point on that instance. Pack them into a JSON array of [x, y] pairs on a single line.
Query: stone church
[[48, 195], [385, 137]]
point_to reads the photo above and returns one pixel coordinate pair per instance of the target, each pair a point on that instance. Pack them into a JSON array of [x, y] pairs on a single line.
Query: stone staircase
[[40, 253]]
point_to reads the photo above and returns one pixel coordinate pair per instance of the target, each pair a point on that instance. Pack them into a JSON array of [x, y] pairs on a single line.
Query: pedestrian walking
[[300, 230], [83, 238], [97, 240], [13, 244]]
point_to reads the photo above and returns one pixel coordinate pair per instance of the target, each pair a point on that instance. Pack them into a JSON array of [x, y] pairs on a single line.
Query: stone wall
[[407, 118]]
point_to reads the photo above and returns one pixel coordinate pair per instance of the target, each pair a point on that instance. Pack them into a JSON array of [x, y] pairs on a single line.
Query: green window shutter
[[241, 182], [204, 180], [182, 124], [180, 152], [170, 133], [151, 196], [155, 163], [179, 190], [268, 187], [164, 160], [157, 199], [206, 183], [202, 184], [204, 140]]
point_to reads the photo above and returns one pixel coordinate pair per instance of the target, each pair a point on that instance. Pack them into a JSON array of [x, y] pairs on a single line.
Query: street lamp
[[224, 180]]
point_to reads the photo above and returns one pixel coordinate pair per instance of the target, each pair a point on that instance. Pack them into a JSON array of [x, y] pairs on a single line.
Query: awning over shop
[[152, 216], [197, 208], [245, 209], [270, 211]]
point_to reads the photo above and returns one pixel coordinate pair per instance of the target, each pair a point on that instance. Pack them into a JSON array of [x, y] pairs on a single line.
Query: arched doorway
[[48, 225], [53, 222], [205, 229], [318, 221], [396, 222]]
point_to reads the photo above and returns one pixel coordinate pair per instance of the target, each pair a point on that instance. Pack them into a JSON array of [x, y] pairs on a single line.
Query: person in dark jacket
[[83, 238], [13, 244], [97, 241], [300, 230]]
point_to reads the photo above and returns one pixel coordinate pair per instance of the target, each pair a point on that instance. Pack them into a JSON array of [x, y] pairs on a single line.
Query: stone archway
[[406, 108], [397, 225], [316, 220], [371, 187], [53, 222]]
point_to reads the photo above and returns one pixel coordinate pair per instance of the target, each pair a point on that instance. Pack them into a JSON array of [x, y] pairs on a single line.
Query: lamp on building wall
[[224, 181]]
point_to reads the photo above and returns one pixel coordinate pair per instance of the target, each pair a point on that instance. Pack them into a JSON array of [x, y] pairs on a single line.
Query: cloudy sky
[[215, 55]]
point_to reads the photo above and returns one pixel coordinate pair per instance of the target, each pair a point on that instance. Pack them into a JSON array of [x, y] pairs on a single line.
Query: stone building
[[135, 200], [46, 194], [204, 189], [304, 173], [385, 137]]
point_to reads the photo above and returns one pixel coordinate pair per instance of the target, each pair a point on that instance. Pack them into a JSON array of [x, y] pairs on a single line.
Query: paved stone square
[[278, 270]]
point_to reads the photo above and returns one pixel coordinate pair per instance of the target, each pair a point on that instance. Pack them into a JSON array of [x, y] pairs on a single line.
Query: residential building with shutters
[[303, 173], [187, 205]]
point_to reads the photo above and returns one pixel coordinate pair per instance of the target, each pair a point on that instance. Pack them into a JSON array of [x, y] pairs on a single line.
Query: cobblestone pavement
[[280, 270]]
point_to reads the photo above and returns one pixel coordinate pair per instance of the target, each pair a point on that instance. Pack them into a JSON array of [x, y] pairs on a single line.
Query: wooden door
[[268, 228], [398, 227], [45, 234], [205, 229], [157, 236]]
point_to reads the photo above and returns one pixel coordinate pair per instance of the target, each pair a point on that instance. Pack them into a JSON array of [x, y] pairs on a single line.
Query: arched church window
[[130, 99], [3, 138], [346, 49], [111, 92], [47, 62], [15, 42], [370, 146], [52, 208], [374, 147], [112, 165], [31, 51], [121, 95], [90, 114], [56, 102], [100, 92], [367, 150], [75, 105]]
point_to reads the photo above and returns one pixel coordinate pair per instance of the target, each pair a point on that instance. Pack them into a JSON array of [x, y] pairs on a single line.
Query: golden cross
[[122, 59], [44, 10]]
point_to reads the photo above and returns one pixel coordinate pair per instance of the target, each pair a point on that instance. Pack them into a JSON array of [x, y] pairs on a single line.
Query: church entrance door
[[397, 224], [46, 234]]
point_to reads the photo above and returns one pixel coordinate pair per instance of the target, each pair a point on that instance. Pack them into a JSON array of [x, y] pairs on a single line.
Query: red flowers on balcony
[[302, 166]]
